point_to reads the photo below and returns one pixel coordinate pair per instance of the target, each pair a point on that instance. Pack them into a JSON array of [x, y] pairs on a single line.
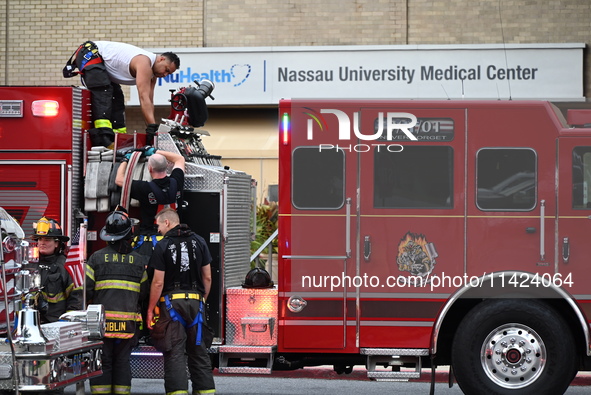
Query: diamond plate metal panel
[[146, 363], [165, 141], [394, 375], [395, 351], [5, 361], [67, 335], [203, 177], [251, 316], [244, 370], [247, 349]]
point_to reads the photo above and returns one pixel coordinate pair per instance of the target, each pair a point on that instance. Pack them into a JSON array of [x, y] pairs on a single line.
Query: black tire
[[513, 347]]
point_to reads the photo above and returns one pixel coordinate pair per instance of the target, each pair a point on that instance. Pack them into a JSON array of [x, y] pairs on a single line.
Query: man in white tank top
[[104, 66]]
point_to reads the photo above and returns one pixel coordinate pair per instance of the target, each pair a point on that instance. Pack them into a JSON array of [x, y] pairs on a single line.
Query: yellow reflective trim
[[100, 389], [103, 123], [206, 391], [119, 335], [122, 315], [120, 130], [121, 389], [177, 393], [131, 286], [90, 272], [54, 299]]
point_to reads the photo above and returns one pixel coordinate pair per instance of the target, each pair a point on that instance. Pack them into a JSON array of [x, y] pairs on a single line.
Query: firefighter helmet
[[257, 278], [117, 226], [50, 228]]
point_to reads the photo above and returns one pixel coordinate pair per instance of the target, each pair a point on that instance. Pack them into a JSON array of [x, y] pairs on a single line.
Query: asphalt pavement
[[325, 381]]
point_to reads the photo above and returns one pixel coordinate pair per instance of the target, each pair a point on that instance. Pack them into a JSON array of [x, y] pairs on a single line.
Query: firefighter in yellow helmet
[[58, 293]]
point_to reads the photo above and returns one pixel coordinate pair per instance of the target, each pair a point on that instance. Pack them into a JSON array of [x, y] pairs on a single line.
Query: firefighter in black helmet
[[58, 293], [116, 278], [257, 278]]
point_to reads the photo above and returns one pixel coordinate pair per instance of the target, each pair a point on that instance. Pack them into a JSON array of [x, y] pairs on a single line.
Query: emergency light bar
[[285, 126], [45, 108]]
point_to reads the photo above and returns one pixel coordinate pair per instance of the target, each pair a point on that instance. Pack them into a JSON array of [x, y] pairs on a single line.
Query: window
[[506, 179], [318, 180], [416, 177], [581, 177]]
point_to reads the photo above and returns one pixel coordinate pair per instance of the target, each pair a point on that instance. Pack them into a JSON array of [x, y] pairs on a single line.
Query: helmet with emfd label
[[117, 226], [49, 228], [257, 278]]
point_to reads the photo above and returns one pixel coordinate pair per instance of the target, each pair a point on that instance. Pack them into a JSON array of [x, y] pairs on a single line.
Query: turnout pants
[[107, 100], [116, 378], [184, 352]]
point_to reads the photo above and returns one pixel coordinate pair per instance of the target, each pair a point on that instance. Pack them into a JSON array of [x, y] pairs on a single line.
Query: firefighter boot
[[101, 137]]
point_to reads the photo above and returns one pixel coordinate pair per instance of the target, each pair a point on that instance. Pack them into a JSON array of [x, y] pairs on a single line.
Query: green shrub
[[267, 215]]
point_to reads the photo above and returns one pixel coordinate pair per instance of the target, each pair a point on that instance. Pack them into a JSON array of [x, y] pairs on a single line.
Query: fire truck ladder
[[404, 363]]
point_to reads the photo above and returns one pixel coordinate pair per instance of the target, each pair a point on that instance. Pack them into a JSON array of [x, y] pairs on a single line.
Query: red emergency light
[[45, 108]]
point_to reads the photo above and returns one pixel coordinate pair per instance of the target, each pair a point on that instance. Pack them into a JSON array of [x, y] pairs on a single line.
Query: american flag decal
[[75, 261]]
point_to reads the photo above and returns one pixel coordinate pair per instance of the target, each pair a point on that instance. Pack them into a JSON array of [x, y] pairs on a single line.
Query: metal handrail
[[264, 245]]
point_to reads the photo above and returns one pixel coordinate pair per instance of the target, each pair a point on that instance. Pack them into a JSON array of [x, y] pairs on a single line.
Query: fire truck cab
[[438, 232]]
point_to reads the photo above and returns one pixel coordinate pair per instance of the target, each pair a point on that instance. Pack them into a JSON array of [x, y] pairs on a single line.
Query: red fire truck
[[412, 234]]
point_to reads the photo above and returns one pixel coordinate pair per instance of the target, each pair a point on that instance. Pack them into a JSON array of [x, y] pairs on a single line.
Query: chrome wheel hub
[[513, 356]]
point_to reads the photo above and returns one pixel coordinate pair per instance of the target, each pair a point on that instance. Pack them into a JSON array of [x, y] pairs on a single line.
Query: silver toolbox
[[67, 335], [251, 316]]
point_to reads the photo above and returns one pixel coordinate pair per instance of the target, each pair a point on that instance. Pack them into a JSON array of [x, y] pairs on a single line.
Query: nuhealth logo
[[236, 75]]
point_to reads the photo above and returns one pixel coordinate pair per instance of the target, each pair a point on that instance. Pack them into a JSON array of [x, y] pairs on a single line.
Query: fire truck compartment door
[[317, 282], [410, 221], [317, 234], [574, 217]]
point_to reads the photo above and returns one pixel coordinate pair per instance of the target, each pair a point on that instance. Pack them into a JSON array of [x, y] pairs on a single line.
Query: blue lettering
[[225, 75], [186, 76]]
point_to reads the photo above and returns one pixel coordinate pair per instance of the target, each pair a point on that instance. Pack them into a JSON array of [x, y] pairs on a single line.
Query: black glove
[[125, 154], [151, 133]]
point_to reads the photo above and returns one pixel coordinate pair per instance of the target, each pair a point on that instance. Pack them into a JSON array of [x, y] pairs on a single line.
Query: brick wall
[[305, 22], [508, 21], [43, 33]]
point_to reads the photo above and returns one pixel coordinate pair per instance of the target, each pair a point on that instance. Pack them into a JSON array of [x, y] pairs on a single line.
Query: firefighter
[[116, 278], [162, 191], [104, 66], [58, 293], [179, 289]]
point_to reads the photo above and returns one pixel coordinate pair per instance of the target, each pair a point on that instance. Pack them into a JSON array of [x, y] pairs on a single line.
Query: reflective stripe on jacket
[[119, 282], [58, 288]]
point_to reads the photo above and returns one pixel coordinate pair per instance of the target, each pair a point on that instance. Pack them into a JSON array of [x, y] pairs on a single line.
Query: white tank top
[[117, 57]]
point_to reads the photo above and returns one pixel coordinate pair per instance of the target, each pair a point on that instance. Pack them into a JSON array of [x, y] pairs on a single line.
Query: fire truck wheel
[[516, 347]]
